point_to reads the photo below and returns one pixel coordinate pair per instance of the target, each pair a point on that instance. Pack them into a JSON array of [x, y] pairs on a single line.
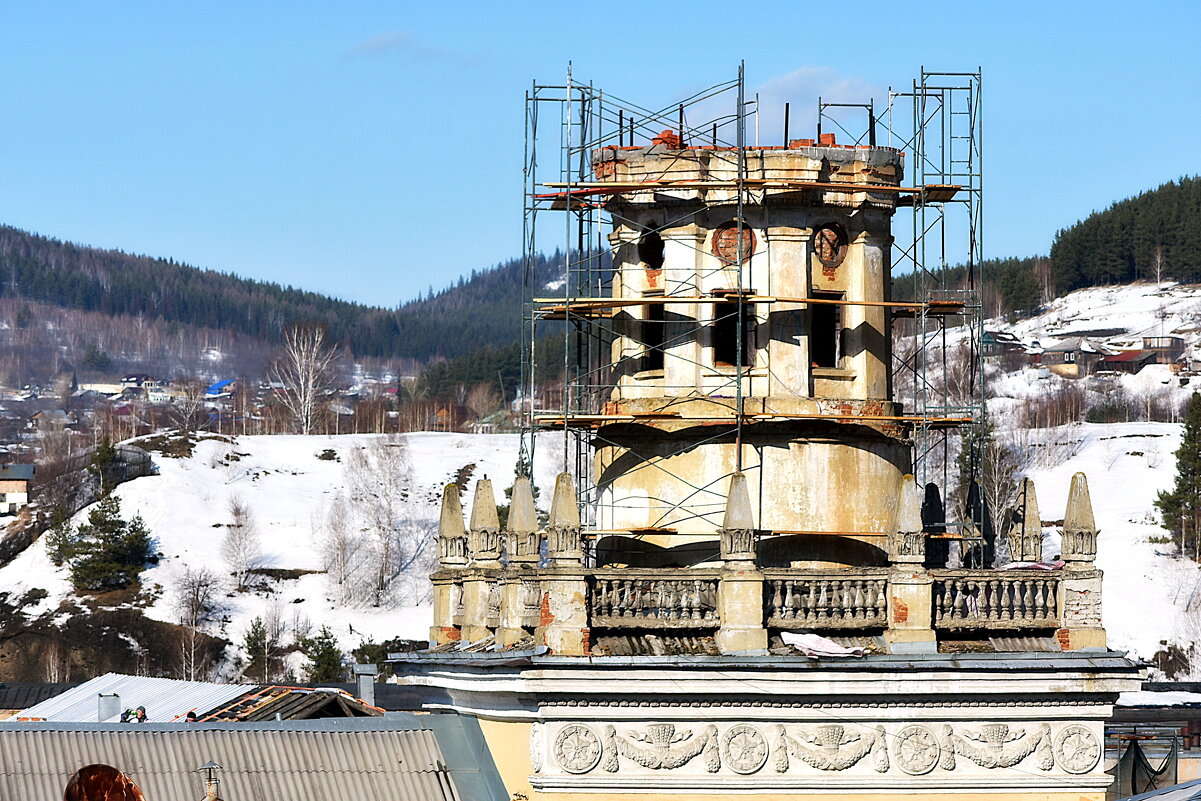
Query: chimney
[[826, 139], [364, 676], [107, 706]]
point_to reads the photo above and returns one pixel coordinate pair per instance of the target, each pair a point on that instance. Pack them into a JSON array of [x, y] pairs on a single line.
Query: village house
[[14, 487], [1073, 357]]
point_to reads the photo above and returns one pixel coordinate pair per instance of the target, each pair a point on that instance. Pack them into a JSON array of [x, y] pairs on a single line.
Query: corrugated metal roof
[[164, 699], [257, 765], [20, 694]]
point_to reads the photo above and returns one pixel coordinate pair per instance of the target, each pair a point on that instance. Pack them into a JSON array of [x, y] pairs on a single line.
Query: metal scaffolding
[[937, 124]]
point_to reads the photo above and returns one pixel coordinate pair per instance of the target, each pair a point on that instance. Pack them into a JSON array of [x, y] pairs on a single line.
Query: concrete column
[[1080, 585], [477, 590], [522, 546], [563, 617], [907, 538], [740, 591], [444, 630], [484, 547], [452, 557], [910, 588], [910, 611]]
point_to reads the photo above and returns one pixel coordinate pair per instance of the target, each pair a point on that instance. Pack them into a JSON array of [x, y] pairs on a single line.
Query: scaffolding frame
[[582, 118]]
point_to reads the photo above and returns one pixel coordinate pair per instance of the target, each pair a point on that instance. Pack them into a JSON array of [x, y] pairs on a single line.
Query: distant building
[[449, 417], [221, 389], [1128, 361], [1073, 357], [51, 419], [1166, 349], [995, 344], [104, 698], [499, 422], [140, 381], [14, 487]]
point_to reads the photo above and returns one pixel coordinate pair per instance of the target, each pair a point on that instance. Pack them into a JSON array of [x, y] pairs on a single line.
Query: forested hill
[[457, 320], [1158, 229]]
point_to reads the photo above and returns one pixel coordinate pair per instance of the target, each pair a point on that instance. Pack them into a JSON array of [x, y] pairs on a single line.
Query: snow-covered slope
[[1149, 596], [288, 491], [1131, 312]]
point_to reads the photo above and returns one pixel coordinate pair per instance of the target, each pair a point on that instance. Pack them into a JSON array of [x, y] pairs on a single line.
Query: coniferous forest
[[477, 311]]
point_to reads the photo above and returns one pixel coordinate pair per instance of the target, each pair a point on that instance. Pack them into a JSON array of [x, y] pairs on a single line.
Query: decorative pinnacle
[[523, 517], [564, 513], [483, 507], [738, 506], [450, 523], [1030, 521], [909, 506], [1079, 514]]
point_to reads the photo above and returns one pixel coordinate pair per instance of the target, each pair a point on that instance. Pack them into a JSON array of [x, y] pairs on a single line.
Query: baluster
[[1006, 601], [961, 590], [776, 599], [789, 600], [869, 600], [940, 600], [857, 612], [990, 608], [823, 600], [1027, 600], [881, 600], [1040, 600]]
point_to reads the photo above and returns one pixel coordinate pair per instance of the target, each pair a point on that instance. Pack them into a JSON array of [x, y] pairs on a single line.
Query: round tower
[[750, 316]]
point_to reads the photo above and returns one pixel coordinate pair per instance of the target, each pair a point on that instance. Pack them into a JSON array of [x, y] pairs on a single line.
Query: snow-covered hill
[[289, 485]]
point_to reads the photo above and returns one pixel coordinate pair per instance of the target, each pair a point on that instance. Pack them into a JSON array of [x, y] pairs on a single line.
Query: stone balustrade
[[990, 599], [802, 599], [653, 599], [526, 581]]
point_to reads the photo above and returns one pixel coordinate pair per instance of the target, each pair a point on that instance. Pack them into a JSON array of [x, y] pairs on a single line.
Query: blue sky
[[371, 149]]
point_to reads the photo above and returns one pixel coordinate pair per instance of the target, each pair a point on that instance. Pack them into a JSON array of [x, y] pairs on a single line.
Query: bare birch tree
[[188, 401], [399, 529], [196, 605], [344, 553], [241, 548], [304, 371]]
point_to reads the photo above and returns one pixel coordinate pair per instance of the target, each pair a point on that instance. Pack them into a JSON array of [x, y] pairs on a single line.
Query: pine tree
[[259, 647], [107, 552], [324, 655], [1181, 507]]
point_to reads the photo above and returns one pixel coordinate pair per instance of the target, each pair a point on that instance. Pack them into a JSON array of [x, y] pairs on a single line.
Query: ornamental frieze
[[908, 750]]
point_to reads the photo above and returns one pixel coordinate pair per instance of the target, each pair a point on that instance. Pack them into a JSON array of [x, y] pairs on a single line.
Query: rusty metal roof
[[319, 760]]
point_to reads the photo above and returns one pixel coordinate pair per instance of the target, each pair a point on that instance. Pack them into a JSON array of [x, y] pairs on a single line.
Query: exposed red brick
[[900, 611], [827, 139], [669, 139], [545, 618], [1064, 636], [452, 633]]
